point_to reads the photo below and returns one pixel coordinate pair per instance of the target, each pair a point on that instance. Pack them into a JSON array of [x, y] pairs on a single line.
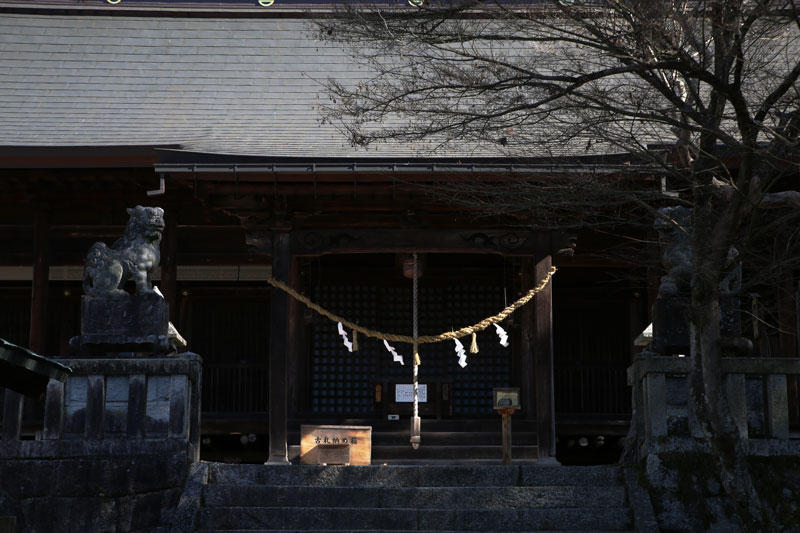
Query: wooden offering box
[[316, 443]]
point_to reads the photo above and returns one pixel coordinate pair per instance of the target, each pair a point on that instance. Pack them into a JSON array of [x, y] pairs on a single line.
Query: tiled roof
[[240, 86]]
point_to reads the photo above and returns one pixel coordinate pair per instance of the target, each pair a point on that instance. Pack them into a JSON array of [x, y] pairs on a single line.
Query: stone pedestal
[[671, 325], [123, 323]]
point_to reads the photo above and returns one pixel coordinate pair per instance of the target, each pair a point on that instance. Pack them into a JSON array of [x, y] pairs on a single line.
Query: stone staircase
[[434, 497]]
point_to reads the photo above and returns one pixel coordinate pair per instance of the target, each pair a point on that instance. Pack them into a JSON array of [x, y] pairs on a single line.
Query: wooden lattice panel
[[343, 382]]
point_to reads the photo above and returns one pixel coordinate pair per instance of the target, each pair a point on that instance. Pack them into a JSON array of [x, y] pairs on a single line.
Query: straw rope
[[425, 339]]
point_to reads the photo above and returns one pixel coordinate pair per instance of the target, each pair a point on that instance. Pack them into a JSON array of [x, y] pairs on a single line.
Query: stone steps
[[520, 497], [371, 519], [387, 531], [404, 452], [233, 495], [415, 476]]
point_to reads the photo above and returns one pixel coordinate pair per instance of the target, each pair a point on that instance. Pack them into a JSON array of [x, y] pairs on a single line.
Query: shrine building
[[213, 114]]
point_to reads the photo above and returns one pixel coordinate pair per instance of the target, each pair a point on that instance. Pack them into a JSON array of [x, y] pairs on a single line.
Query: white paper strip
[[395, 357], [462, 356], [502, 334], [343, 333]]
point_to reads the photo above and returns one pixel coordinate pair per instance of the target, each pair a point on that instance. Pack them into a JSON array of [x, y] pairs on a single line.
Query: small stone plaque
[[316, 443]]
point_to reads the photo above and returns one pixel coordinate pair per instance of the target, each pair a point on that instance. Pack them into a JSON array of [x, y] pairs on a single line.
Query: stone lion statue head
[[145, 222]]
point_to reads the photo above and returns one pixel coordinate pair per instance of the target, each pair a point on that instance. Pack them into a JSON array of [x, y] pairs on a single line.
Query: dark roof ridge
[[249, 12]]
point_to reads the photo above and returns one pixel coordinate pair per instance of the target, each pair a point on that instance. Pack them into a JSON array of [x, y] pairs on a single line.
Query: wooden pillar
[[295, 363], [527, 342], [278, 347], [543, 363], [506, 429], [41, 273], [169, 263], [13, 401]]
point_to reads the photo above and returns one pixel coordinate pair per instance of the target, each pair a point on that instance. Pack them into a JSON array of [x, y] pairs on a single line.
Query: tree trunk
[[710, 404]]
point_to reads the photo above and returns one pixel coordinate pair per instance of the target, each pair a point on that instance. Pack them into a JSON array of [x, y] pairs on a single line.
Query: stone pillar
[[777, 407], [278, 347], [54, 410], [95, 407], [12, 415], [137, 405], [655, 397], [735, 388]]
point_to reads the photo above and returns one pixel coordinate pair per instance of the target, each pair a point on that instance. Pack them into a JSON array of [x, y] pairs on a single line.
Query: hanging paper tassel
[[502, 334], [355, 340], [395, 357], [462, 357], [347, 343], [473, 348]]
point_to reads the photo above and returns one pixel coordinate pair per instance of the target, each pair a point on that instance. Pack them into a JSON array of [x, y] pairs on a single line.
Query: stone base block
[[123, 323]]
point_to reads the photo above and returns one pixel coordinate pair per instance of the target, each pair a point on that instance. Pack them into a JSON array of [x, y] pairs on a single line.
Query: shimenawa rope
[[425, 339]]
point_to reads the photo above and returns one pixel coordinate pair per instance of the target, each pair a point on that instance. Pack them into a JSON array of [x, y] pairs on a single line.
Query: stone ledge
[[83, 449]]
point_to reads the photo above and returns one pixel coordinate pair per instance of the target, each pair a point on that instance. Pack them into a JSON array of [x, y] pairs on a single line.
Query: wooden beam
[[382, 240], [41, 268], [543, 363], [278, 347]]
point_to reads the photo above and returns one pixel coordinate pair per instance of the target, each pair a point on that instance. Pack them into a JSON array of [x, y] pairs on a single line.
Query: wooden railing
[[660, 398], [591, 389], [235, 388]]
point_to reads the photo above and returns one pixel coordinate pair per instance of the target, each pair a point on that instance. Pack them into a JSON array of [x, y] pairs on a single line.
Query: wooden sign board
[[506, 398], [404, 392], [359, 439]]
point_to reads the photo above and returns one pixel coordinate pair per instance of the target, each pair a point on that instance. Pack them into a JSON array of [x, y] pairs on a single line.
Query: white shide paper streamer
[[343, 333], [462, 356], [502, 334], [395, 356]]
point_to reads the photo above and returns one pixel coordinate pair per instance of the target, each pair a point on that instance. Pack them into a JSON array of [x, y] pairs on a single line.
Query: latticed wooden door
[[343, 383]]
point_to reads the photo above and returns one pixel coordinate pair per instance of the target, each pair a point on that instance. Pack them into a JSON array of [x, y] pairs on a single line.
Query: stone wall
[[118, 442]]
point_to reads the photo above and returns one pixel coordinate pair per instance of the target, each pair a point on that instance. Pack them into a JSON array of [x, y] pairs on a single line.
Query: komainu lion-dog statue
[[134, 256]]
